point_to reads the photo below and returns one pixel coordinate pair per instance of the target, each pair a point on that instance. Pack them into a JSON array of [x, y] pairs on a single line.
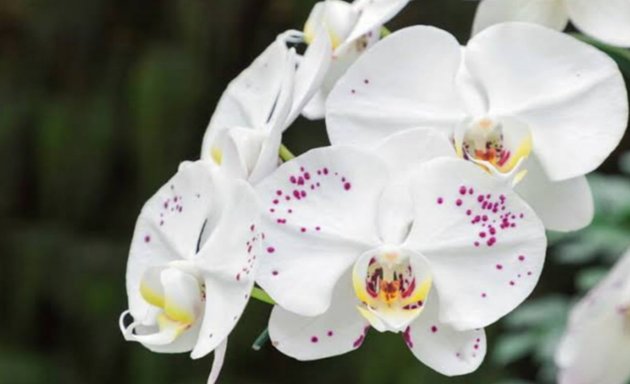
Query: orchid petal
[[321, 216], [440, 346], [404, 81], [561, 205], [228, 261], [310, 73], [182, 296], [249, 98], [608, 20], [373, 14], [403, 151], [217, 363], [486, 247], [339, 330], [336, 17], [550, 13], [168, 227], [571, 95], [315, 109]]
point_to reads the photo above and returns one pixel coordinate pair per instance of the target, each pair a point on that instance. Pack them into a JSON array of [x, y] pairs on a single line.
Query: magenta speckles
[[295, 191], [330, 333], [274, 272], [434, 329], [271, 249], [499, 266], [248, 266], [407, 337], [359, 341], [493, 214], [171, 205], [521, 258], [147, 238], [314, 339]]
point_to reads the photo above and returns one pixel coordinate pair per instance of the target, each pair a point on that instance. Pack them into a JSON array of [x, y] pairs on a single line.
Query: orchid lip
[[498, 145], [176, 293], [392, 284]]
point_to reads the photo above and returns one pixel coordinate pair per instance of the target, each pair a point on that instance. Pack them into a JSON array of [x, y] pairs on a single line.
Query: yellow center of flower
[[177, 294], [391, 292]]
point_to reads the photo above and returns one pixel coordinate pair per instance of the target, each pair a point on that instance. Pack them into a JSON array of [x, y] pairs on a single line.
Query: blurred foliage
[[99, 102], [533, 331]]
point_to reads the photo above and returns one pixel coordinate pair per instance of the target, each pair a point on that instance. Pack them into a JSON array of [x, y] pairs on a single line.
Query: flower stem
[[385, 32], [285, 154], [263, 296], [261, 340]]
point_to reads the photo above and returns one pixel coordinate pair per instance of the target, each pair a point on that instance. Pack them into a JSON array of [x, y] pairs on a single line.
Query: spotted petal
[[321, 215], [486, 247], [228, 261], [168, 227], [442, 347], [374, 13], [339, 330], [249, 98]]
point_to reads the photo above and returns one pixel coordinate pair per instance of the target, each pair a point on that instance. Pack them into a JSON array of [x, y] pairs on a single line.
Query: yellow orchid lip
[[177, 312], [216, 154], [391, 292], [309, 35]]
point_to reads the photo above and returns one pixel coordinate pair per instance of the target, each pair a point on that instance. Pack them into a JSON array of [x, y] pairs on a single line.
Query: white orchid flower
[[350, 245], [352, 27], [519, 98], [245, 131], [605, 20], [192, 263], [596, 346]]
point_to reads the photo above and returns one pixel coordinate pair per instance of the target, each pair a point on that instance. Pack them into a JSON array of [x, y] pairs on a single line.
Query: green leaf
[[513, 347], [588, 278]]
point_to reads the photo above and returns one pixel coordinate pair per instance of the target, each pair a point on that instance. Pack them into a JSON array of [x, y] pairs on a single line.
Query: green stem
[[261, 340], [385, 32], [285, 154], [263, 296]]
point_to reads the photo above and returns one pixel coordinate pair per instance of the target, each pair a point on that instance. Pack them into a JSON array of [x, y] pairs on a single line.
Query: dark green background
[[99, 102]]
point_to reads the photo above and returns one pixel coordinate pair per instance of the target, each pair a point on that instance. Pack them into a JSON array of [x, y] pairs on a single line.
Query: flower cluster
[[426, 215]]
